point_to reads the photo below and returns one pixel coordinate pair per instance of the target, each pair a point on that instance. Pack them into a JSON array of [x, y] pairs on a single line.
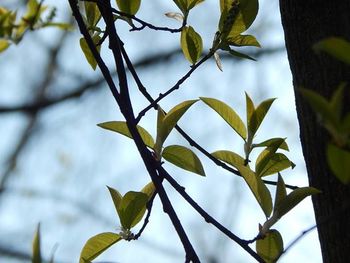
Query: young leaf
[[336, 103], [92, 13], [281, 192], [177, 16], [228, 114], [183, 158], [240, 55], [336, 47], [294, 198], [270, 247], [167, 123], [229, 157], [339, 162], [250, 108], [149, 189], [116, 197], [36, 258], [87, 52], [218, 61], [132, 208], [96, 245], [258, 188], [193, 3], [191, 44], [129, 6], [122, 128], [242, 40], [258, 116], [271, 142], [276, 163], [4, 44], [182, 5]]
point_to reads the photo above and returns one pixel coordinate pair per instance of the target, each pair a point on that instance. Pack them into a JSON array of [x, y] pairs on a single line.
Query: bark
[[305, 23]]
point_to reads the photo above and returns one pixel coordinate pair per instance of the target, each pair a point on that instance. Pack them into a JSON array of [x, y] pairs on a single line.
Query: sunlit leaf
[[116, 197], [87, 52], [191, 44], [270, 247], [36, 257], [183, 158], [182, 5], [250, 108], [132, 208], [96, 245], [336, 47], [229, 157], [294, 198], [276, 163], [258, 115], [149, 189], [339, 162], [193, 3], [265, 156], [242, 40], [92, 13], [273, 141], [63, 26], [281, 191], [122, 128], [129, 6], [4, 44], [228, 114], [258, 188]]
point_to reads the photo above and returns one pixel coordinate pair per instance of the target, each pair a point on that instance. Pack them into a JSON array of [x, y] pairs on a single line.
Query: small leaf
[[182, 5], [36, 258], [87, 52], [92, 13], [228, 114], [122, 128], [271, 142], [339, 162], [177, 16], [229, 157], [149, 189], [294, 198], [276, 163], [129, 6], [336, 47], [258, 188], [4, 44], [96, 245], [240, 55], [132, 208], [281, 192], [183, 158], [270, 247], [116, 197], [336, 103], [191, 44], [250, 108], [242, 40], [193, 3], [218, 61], [259, 115], [168, 123]]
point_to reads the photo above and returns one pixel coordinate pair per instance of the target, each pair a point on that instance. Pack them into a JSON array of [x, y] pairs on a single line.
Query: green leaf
[[271, 142], [63, 26], [149, 189], [339, 162], [191, 44], [250, 108], [36, 258], [294, 198], [336, 47], [242, 40], [92, 13], [132, 208], [87, 52], [281, 192], [182, 5], [122, 128], [336, 103], [167, 123], [193, 3], [270, 247], [229, 157], [276, 163], [116, 197], [240, 55], [248, 10], [228, 114], [183, 158], [259, 115], [258, 188], [4, 44], [96, 245], [129, 6]]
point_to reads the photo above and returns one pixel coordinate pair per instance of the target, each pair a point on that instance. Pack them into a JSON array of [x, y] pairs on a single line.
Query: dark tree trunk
[[305, 23]]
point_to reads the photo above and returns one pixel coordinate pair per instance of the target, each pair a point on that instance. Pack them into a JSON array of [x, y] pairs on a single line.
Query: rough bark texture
[[305, 23]]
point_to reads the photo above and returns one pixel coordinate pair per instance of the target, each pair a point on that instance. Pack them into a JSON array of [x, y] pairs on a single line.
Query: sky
[[61, 173]]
